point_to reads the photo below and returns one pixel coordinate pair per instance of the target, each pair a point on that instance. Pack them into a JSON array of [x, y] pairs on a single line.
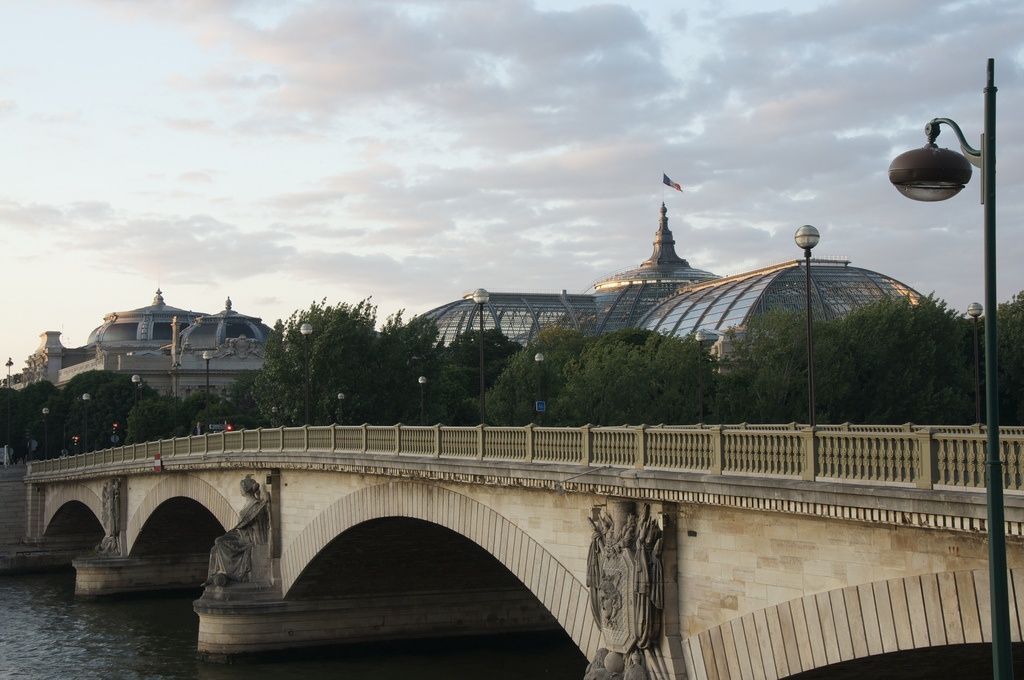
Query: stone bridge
[[780, 549]]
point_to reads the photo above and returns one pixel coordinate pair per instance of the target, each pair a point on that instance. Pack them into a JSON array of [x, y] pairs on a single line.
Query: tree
[[112, 396], [894, 362], [340, 352], [1010, 340], [633, 377], [524, 380], [888, 362], [459, 384], [156, 417], [763, 376]]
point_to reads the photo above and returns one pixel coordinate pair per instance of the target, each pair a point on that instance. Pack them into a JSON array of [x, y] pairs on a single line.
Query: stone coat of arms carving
[[625, 579]]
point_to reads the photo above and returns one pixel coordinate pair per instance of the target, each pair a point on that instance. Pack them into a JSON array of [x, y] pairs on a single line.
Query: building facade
[[175, 351], [665, 293]]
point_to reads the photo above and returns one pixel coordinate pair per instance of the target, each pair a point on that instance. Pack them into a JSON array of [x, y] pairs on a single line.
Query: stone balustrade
[[900, 455]]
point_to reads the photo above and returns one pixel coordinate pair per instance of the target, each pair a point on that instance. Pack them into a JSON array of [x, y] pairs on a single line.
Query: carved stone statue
[[231, 558], [111, 543], [635, 668], [626, 584]]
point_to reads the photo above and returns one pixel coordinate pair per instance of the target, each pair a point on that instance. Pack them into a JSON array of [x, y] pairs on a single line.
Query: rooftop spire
[[158, 299], [227, 304], [664, 245]]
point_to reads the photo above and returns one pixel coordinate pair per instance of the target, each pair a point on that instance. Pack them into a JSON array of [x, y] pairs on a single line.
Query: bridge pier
[[235, 622], [101, 576]]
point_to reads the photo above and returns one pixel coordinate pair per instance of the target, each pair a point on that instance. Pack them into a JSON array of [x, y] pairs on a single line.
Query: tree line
[[889, 362]]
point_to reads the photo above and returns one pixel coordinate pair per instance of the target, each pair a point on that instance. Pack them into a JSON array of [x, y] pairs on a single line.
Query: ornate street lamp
[[934, 174], [46, 434], [307, 330], [701, 336], [538, 359], [9, 363], [207, 355], [86, 398], [137, 381], [807, 237], [974, 311], [422, 380], [341, 404], [481, 297]]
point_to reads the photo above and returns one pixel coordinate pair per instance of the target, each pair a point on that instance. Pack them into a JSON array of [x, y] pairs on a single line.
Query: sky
[[282, 153]]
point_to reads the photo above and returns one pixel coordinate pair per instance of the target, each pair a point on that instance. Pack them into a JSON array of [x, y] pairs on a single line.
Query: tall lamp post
[[137, 381], [307, 330], [974, 311], [341, 404], [702, 337], [46, 433], [422, 380], [934, 174], [480, 297], [9, 363], [807, 237], [86, 398], [538, 359], [207, 355]]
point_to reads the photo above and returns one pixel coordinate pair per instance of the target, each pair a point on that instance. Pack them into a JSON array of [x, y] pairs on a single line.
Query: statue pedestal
[[241, 619], [100, 576]]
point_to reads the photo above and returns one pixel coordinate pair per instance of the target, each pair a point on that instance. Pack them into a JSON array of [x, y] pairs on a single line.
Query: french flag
[[665, 180]]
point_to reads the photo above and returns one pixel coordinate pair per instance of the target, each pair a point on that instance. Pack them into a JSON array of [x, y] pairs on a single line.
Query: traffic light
[[228, 427], [116, 426]]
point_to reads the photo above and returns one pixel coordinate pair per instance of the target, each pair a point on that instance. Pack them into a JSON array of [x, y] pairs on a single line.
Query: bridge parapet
[[926, 457]]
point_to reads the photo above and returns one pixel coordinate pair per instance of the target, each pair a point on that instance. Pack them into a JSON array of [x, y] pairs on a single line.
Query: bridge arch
[[564, 596], [59, 496], [179, 486], [856, 622]]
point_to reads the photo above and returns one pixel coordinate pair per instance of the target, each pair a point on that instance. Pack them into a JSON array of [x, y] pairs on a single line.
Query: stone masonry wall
[[12, 504], [742, 561]]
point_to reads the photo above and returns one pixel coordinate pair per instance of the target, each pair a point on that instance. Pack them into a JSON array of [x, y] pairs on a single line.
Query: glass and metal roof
[[624, 297], [836, 288], [519, 316]]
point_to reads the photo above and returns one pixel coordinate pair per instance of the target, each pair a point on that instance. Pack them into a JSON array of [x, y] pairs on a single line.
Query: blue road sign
[[541, 406]]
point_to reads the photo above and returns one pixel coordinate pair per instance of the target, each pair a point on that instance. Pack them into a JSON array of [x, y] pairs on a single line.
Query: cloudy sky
[[283, 152]]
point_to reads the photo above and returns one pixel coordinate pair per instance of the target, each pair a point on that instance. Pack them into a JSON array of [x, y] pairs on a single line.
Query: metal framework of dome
[[666, 294], [624, 297], [519, 316], [836, 289]]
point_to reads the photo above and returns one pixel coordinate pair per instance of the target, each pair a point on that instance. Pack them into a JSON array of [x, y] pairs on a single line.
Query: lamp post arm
[[974, 156]]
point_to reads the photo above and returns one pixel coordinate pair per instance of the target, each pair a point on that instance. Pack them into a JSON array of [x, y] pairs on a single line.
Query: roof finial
[[227, 304], [158, 299], [664, 244]]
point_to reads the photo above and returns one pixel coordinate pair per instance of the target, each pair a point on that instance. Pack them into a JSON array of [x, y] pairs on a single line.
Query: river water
[[46, 633]]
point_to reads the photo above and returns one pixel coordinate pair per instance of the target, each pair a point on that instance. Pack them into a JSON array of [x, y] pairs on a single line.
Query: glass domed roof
[[624, 297], [836, 289], [145, 326]]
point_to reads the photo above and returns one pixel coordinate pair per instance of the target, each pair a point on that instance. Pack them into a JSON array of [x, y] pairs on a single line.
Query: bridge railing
[[902, 455]]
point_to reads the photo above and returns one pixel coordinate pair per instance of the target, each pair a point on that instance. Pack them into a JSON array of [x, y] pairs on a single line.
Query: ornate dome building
[[665, 293], [623, 298], [165, 346], [150, 326]]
